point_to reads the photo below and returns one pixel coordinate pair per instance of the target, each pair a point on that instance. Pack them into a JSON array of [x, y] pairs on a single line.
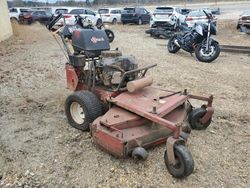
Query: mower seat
[[91, 42]]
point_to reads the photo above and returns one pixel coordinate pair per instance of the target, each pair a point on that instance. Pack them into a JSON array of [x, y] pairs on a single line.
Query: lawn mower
[[125, 114]]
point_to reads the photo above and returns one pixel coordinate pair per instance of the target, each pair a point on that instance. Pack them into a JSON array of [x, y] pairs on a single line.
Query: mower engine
[[114, 68]]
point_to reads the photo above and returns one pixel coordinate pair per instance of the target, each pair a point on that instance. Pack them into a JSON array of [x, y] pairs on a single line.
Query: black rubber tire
[[185, 162], [92, 108], [139, 22], [184, 136], [238, 26], [207, 59], [194, 118], [172, 47], [13, 20], [110, 35], [139, 153], [114, 21]]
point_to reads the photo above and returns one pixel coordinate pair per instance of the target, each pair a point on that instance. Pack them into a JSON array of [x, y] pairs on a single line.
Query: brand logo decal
[[96, 40]]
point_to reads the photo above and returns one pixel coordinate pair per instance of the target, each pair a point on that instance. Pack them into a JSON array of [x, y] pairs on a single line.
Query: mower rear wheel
[[82, 108], [195, 117], [184, 162], [139, 153]]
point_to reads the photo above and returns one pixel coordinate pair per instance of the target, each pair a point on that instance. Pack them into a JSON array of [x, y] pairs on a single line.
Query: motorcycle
[[197, 40]]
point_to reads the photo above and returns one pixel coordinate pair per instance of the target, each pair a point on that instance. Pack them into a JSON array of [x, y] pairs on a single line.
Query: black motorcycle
[[198, 40]]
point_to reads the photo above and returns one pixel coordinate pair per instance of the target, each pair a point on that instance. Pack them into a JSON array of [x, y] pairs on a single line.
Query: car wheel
[[114, 22], [139, 21], [13, 20]]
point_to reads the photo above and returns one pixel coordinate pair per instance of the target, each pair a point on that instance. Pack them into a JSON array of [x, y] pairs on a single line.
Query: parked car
[[164, 14], [83, 12], [14, 12], [135, 15], [215, 11], [199, 16], [244, 20], [185, 11], [41, 16], [110, 15]]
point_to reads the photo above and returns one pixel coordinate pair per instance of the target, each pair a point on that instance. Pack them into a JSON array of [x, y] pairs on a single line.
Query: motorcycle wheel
[[207, 57], [110, 35], [172, 47]]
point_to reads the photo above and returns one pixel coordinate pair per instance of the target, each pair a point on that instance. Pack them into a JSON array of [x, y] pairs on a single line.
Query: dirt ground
[[39, 149]]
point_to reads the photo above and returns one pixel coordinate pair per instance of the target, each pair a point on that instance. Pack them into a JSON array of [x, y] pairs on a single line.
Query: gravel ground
[[39, 149]]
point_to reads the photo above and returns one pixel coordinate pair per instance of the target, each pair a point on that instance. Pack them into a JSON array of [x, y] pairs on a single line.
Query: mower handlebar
[[52, 21]]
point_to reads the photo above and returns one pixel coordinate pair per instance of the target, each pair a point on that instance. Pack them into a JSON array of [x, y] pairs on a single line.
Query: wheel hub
[[210, 52], [77, 113]]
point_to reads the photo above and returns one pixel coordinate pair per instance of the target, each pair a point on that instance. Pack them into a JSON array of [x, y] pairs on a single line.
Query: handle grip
[[52, 21]]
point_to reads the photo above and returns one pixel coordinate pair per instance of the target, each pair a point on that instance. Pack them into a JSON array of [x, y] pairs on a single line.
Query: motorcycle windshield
[[199, 29], [213, 29]]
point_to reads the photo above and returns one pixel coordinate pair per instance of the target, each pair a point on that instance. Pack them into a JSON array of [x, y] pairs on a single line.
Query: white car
[[198, 16], [83, 12], [110, 15], [164, 14], [14, 12]]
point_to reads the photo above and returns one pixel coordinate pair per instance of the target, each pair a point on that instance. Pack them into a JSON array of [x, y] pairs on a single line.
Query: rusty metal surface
[[71, 77], [145, 103], [170, 150], [145, 118], [208, 99], [171, 141], [107, 141], [208, 115], [117, 116], [120, 140]]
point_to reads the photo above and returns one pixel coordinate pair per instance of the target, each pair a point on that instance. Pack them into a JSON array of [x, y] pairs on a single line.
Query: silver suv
[[164, 14], [14, 12]]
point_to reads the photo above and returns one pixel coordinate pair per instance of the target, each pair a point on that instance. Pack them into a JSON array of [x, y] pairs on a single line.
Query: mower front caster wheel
[[195, 117], [82, 108], [139, 153], [184, 162]]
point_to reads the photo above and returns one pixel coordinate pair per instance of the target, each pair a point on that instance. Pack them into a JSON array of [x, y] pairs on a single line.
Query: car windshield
[[61, 11], [24, 10], [164, 10], [77, 11], [129, 10], [196, 14], [103, 11]]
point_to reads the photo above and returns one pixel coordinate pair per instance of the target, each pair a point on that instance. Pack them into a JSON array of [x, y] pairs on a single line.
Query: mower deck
[[144, 118]]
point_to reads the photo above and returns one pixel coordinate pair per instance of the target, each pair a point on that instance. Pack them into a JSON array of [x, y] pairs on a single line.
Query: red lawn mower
[[115, 100]]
